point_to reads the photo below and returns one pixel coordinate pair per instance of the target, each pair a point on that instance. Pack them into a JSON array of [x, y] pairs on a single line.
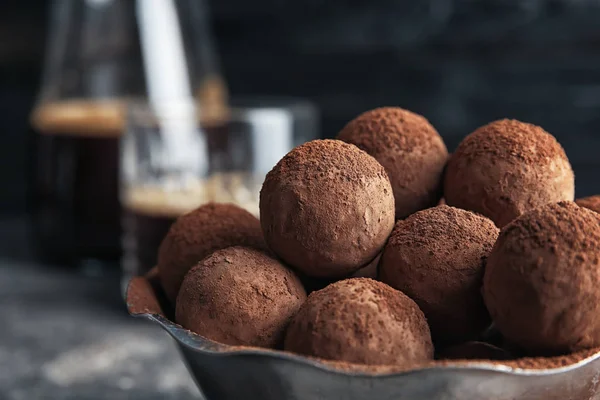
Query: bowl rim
[[200, 344]]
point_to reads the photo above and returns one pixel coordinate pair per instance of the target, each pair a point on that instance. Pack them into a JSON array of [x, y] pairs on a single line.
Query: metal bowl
[[226, 372]]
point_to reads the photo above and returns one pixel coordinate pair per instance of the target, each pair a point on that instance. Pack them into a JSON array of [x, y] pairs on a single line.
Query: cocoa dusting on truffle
[[591, 203], [148, 302], [239, 296], [541, 280], [197, 234], [141, 297], [327, 208], [410, 149], [506, 168], [360, 320], [474, 351], [436, 257], [550, 362]]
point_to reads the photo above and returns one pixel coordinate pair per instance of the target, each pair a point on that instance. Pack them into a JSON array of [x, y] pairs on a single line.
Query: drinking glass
[[172, 161]]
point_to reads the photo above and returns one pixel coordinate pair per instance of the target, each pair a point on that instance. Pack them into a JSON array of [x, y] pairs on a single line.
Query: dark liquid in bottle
[[77, 213]]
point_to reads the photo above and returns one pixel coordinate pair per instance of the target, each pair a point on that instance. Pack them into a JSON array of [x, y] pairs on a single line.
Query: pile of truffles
[[407, 253]]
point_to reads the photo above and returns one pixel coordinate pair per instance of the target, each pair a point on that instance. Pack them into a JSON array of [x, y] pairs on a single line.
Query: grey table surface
[[65, 334]]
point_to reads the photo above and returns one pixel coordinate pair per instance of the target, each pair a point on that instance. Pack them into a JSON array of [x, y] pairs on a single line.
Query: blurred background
[[460, 63]]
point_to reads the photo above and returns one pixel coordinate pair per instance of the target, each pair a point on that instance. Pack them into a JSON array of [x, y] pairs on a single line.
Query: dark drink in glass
[[149, 211], [174, 159]]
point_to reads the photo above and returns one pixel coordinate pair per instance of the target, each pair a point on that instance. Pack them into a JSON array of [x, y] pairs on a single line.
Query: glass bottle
[[96, 62]]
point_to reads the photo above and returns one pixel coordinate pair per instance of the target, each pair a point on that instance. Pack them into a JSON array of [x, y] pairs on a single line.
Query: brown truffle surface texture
[[436, 257], [409, 148], [591, 203], [474, 351], [239, 296], [200, 232], [542, 277], [327, 208], [362, 321], [506, 168]]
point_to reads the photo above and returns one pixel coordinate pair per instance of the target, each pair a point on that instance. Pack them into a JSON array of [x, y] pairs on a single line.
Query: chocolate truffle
[[436, 257], [591, 203], [239, 296], [506, 168], [541, 280], [197, 234], [410, 149], [362, 321], [474, 351], [327, 208]]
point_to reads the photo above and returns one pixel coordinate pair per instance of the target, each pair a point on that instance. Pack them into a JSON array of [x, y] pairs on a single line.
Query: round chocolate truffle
[[506, 168], [197, 234], [436, 257], [541, 280], [327, 208], [591, 203], [362, 321], [239, 296], [410, 149]]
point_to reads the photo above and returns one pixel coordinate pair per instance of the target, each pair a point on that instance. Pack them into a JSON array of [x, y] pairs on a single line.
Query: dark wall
[[460, 63], [22, 30]]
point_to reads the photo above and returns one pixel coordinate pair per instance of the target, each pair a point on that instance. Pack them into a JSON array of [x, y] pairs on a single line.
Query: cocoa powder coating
[[591, 203], [197, 234], [542, 278], [410, 149], [327, 208], [506, 168], [147, 303], [360, 320], [436, 257], [239, 296]]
